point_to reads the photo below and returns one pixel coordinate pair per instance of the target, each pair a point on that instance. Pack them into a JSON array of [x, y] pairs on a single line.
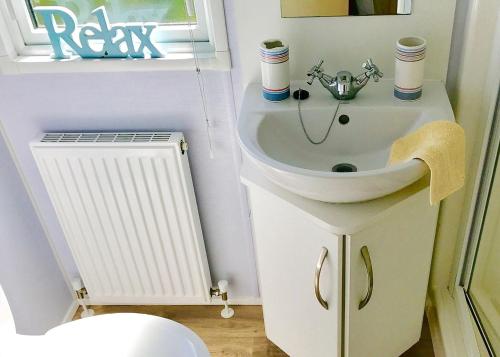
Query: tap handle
[[368, 65], [320, 63], [314, 72], [223, 285], [372, 70]]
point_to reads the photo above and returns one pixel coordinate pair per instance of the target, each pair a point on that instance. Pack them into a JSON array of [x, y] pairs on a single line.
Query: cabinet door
[[400, 250], [288, 246]]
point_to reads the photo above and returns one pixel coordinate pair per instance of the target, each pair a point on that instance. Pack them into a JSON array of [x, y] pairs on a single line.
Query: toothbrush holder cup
[[410, 64], [275, 70]]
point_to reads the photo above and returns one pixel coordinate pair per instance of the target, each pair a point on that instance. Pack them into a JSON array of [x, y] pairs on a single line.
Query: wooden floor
[[241, 336]]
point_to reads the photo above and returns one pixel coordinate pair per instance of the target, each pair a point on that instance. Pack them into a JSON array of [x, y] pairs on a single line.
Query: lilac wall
[[32, 104], [143, 101], [32, 281]]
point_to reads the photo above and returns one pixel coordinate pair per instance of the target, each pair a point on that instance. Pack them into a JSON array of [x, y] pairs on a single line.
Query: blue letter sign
[[99, 40]]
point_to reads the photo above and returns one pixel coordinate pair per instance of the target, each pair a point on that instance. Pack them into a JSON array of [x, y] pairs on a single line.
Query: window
[[171, 15], [26, 42], [161, 11]]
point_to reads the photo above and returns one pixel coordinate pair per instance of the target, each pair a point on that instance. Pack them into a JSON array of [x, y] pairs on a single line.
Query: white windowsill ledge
[[217, 61]]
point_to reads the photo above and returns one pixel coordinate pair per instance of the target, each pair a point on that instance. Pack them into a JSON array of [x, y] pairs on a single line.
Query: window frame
[[163, 34], [19, 56]]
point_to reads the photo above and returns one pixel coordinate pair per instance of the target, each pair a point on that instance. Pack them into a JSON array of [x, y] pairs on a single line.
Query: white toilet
[[112, 335]]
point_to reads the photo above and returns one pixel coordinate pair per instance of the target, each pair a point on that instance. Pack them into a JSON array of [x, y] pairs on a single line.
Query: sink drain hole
[[344, 167]]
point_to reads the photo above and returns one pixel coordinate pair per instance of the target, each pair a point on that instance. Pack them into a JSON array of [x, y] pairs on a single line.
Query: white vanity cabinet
[[400, 245], [288, 248], [386, 244]]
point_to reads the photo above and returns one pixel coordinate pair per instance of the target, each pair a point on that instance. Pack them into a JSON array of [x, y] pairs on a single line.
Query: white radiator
[[127, 207]]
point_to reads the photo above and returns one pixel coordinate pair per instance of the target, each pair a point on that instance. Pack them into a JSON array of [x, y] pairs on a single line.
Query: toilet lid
[[125, 335]]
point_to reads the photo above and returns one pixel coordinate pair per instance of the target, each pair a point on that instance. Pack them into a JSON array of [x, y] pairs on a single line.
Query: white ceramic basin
[[272, 137]]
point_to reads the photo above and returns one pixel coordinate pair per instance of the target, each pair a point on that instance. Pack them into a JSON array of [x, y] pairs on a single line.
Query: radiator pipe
[[221, 291]]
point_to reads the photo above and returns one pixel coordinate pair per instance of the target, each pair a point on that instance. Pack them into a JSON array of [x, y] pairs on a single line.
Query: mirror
[[311, 8]]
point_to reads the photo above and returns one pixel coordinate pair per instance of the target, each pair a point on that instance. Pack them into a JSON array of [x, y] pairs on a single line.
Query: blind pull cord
[[189, 7]]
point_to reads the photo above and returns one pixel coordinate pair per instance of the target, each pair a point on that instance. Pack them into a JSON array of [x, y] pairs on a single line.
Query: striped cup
[[410, 62], [275, 70]]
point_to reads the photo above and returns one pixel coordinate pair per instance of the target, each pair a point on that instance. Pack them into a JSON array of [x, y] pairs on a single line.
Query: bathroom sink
[[351, 164]]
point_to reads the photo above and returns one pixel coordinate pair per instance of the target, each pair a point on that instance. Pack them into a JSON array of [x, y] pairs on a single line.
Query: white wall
[[343, 42], [32, 281], [472, 88], [457, 48]]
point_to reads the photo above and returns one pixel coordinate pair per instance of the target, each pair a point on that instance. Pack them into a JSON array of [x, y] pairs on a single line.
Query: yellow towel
[[441, 145]]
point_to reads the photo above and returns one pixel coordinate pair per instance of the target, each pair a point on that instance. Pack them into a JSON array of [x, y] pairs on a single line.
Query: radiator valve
[[81, 294], [221, 291]]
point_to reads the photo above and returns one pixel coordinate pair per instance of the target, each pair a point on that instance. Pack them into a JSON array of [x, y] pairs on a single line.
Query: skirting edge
[[450, 325], [73, 308]]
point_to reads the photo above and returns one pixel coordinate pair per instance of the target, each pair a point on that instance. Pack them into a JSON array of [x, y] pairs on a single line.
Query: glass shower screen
[[483, 289]]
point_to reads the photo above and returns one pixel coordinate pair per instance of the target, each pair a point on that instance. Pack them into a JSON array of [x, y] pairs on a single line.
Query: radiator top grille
[[155, 137]]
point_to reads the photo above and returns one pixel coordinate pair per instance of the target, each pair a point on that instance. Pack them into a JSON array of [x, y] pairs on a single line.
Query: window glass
[[166, 12]]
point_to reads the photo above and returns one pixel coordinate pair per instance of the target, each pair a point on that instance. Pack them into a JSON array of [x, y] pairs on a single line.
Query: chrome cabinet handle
[[369, 269], [317, 275]]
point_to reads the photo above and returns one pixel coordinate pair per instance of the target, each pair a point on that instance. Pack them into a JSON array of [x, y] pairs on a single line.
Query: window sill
[[216, 61]]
